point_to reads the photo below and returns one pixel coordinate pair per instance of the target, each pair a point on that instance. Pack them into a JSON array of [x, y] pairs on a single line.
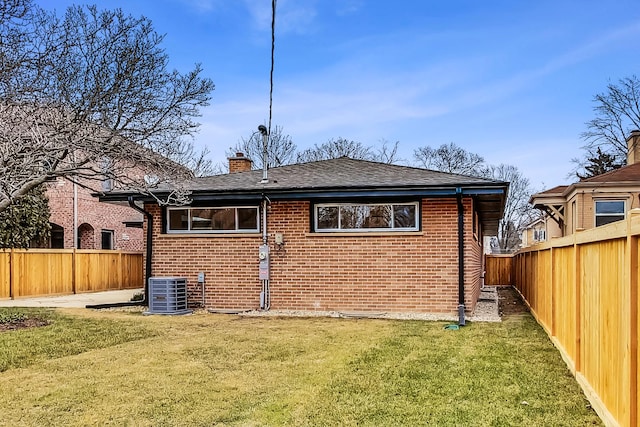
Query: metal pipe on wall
[[461, 320]]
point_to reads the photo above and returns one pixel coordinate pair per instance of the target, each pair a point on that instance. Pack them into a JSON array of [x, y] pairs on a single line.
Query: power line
[[273, 48]]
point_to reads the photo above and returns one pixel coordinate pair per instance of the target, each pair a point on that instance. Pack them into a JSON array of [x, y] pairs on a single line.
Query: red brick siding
[[100, 216], [473, 262], [313, 271]]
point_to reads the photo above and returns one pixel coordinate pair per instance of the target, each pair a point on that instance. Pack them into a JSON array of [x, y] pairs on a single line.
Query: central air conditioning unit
[[168, 295]]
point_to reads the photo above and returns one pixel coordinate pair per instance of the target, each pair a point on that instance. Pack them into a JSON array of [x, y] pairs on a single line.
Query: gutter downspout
[[461, 320], [149, 245]]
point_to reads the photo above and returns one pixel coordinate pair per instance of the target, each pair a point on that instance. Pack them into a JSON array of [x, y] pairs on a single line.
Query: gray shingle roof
[[341, 173], [342, 177]]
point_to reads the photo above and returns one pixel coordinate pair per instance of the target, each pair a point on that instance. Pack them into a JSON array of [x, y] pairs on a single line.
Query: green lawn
[[116, 368]]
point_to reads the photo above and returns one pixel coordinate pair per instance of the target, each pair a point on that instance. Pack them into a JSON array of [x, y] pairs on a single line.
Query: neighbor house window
[[608, 211], [366, 217], [212, 220], [107, 239], [539, 235]]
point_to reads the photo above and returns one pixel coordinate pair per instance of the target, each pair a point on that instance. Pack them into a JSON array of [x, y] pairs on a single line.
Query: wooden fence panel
[[583, 289], [41, 272], [498, 270], [36, 272], [544, 289], [5, 274], [605, 325], [97, 271], [564, 301], [132, 271]]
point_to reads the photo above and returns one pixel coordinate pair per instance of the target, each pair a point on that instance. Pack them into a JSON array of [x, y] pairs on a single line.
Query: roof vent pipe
[[263, 130]]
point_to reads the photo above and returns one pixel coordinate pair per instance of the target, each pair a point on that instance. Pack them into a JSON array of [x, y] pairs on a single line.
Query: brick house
[[341, 235], [100, 225], [594, 201]]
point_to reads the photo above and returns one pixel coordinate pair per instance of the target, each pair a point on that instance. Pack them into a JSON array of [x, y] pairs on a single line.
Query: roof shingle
[[337, 173]]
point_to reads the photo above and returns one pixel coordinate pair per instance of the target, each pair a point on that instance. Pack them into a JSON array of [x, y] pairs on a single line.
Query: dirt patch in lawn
[[22, 324], [510, 303]]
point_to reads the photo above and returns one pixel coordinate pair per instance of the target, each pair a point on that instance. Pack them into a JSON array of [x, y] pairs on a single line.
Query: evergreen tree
[[598, 164], [26, 221]]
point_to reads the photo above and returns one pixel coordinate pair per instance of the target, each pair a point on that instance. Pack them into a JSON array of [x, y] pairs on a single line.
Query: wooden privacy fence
[[583, 290], [36, 272], [498, 270]]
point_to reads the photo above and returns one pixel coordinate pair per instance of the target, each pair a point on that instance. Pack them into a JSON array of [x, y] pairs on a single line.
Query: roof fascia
[[296, 194]]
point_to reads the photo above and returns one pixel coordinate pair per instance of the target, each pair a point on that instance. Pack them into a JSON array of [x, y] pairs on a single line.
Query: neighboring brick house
[[100, 225], [342, 234], [594, 201]]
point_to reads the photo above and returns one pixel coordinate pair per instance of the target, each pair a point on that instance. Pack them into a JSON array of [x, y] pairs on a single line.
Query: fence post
[[119, 269], [11, 296], [552, 327], [632, 259], [73, 271]]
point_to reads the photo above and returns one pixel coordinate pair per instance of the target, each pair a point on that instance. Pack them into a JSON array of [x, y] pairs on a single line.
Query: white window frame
[[597, 215], [391, 229], [189, 209]]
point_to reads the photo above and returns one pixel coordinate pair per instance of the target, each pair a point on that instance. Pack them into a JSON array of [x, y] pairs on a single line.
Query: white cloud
[[297, 16]]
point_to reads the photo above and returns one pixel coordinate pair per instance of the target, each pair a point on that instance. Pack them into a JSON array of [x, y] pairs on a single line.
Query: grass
[[115, 368]]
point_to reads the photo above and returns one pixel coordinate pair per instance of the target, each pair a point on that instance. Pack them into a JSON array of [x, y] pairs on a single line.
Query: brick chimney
[[633, 150], [239, 163]]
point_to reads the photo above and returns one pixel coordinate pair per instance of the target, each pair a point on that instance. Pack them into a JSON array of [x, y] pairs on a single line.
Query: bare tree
[[517, 212], [450, 158], [90, 97], [280, 149], [617, 113], [387, 152], [342, 147]]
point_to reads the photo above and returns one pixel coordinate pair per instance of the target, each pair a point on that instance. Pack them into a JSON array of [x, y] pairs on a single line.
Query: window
[[212, 220], [608, 211], [366, 217], [106, 167], [57, 236], [539, 235], [107, 239]]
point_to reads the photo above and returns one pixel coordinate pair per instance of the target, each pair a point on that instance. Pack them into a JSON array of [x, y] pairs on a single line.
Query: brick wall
[[405, 272], [96, 216]]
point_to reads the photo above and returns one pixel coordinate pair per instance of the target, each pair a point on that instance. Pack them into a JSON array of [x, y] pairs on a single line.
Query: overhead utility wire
[[273, 48]]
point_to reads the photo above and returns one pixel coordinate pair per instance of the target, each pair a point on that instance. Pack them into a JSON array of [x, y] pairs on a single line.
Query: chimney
[[633, 147], [239, 163]]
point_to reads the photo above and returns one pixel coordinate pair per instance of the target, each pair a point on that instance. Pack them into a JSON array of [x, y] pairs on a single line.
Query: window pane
[[224, 219], [609, 207], [327, 217], [607, 219], [349, 217], [377, 216], [247, 219], [404, 216], [178, 219], [201, 219]]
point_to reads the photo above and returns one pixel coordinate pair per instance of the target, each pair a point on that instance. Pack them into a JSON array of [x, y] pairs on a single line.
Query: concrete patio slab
[[73, 301]]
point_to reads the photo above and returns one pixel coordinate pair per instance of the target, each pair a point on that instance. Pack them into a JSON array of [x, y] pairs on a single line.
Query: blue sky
[[512, 81]]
